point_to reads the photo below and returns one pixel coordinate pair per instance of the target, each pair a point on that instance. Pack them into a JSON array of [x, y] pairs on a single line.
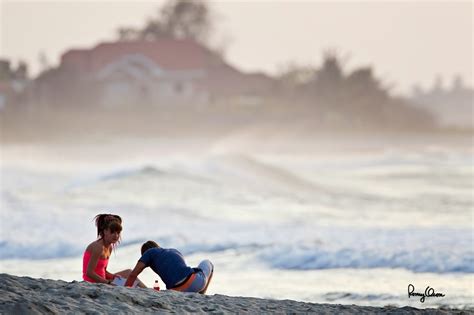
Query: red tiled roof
[[169, 54]]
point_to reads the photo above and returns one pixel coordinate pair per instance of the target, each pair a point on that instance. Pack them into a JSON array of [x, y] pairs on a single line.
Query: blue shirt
[[168, 263]]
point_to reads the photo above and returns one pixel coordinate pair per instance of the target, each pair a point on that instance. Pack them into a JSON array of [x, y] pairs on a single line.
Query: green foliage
[[330, 74], [8, 73], [187, 19], [355, 99], [178, 19]]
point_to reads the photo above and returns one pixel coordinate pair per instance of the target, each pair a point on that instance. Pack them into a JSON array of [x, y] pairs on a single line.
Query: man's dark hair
[[149, 244]]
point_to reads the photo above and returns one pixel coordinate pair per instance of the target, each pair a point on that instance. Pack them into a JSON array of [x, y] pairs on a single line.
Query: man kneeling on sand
[[169, 264]]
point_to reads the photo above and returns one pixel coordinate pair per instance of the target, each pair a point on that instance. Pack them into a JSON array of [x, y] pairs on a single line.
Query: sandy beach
[[25, 295]]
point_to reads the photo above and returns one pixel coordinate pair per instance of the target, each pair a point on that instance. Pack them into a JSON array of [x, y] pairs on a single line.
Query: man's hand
[[134, 274]]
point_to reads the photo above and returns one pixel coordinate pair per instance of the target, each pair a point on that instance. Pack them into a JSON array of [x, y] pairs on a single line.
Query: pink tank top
[[99, 269]]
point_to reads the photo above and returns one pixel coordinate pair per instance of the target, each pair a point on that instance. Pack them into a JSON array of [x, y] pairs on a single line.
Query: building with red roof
[[145, 73]]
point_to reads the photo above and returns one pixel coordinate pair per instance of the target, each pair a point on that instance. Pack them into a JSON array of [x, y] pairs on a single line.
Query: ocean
[[354, 226]]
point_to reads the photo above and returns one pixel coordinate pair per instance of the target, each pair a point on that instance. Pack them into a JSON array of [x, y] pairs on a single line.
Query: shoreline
[[249, 140], [81, 126], [33, 296]]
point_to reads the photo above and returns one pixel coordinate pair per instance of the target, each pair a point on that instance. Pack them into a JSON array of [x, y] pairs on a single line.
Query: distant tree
[[127, 33], [178, 19], [364, 98], [358, 99], [153, 30], [292, 81], [5, 71], [361, 82], [329, 80], [21, 71], [293, 76], [187, 19], [330, 73]]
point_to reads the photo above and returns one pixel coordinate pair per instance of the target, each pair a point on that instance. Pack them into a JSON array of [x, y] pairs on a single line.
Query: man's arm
[[134, 274]]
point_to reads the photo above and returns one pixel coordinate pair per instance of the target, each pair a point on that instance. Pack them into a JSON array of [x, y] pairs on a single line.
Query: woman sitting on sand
[[96, 255], [169, 264]]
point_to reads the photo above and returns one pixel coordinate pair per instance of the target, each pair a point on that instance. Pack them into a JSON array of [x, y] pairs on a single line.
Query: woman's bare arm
[[109, 276], [96, 252]]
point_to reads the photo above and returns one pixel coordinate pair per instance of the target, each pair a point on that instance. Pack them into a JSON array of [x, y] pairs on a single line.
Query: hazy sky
[[406, 42]]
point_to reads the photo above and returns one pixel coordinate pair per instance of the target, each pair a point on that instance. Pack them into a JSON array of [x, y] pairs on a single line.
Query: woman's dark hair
[[148, 245], [112, 222]]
